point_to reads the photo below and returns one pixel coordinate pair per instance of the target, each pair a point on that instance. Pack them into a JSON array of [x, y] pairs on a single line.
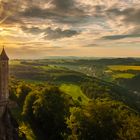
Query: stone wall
[[8, 125]]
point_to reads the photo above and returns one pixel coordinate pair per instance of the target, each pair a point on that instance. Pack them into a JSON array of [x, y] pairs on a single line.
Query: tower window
[[3, 64]]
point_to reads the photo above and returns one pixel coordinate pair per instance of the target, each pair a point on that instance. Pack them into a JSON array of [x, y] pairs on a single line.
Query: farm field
[[122, 71], [123, 68], [123, 75]]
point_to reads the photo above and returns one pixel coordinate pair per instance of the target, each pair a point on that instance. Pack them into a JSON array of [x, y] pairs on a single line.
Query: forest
[[56, 102]]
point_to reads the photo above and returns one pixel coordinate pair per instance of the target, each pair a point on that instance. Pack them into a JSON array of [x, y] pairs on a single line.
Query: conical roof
[[3, 55]]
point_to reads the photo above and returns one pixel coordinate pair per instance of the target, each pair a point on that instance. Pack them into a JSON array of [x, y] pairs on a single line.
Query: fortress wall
[[1, 111]]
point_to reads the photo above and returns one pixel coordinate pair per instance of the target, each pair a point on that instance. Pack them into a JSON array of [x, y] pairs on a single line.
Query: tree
[[46, 111], [103, 119], [21, 93]]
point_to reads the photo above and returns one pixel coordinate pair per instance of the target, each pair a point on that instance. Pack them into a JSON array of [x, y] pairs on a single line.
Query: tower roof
[[3, 55]]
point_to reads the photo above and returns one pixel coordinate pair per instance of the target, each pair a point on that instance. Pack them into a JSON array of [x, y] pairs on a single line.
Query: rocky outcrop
[[8, 125]]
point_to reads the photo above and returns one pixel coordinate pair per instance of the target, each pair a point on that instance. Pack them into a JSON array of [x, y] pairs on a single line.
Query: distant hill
[[44, 73]]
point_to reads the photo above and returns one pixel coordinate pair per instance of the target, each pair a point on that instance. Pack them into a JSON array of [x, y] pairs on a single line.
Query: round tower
[[4, 76]]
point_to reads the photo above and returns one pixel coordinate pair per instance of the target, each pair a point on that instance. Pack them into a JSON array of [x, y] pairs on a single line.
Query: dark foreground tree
[[46, 112]]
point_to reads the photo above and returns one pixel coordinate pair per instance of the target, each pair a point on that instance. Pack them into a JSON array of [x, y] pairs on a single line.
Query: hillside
[[41, 106], [43, 73], [55, 95], [69, 80]]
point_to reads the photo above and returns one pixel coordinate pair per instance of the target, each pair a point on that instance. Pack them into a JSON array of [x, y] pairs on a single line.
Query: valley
[[49, 92]]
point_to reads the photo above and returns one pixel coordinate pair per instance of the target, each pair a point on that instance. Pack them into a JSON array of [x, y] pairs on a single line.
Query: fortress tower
[[4, 76], [8, 125]]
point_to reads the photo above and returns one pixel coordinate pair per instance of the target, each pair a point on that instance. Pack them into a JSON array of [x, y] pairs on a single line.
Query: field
[[75, 92], [122, 71], [123, 75], [123, 68], [43, 73]]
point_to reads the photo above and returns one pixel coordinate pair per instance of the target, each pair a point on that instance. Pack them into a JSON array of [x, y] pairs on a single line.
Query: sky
[[91, 28]]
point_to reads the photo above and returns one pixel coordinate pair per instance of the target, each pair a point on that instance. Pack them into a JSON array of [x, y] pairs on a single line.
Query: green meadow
[[123, 75], [74, 91]]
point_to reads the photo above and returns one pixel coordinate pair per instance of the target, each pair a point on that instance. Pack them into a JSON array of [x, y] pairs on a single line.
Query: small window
[[3, 64]]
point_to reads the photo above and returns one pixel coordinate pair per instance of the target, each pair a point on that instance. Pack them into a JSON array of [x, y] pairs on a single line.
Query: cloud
[[129, 15], [50, 33], [71, 17], [91, 45], [8, 8], [75, 24], [60, 11], [135, 30], [64, 5], [59, 33], [32, 30], [116, 37], [36, 12]]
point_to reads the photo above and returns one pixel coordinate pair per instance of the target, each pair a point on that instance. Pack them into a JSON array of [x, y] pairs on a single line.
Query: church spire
[[3, 55]]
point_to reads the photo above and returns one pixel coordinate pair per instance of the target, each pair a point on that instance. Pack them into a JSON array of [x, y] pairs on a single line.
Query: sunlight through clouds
[[76, 25]]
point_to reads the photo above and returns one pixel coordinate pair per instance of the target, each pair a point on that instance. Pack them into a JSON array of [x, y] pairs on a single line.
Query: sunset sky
[[92, 28]]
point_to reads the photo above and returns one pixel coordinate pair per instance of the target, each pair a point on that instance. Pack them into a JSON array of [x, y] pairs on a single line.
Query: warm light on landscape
[[69, 69]]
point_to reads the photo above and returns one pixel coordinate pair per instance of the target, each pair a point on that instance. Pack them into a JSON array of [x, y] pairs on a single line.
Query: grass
[[123, 75], [123, 68], [51, 67], [75, 92], [14, 62], [122, 71]]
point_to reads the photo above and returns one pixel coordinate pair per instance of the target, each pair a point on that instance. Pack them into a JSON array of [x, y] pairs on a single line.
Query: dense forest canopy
[[46, 112], [76, 99]]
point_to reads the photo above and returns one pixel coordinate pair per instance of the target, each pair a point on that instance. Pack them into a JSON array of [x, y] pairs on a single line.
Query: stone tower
[[8, 125], [4, 76]]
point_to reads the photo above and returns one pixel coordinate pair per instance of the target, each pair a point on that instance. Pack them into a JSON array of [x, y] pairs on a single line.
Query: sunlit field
[[14, 62], [123, 75], [75, 92], [123, 68]]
